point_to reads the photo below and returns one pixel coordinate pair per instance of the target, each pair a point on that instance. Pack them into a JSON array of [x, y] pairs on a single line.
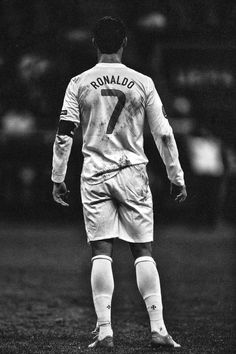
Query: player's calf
[[149, 286]]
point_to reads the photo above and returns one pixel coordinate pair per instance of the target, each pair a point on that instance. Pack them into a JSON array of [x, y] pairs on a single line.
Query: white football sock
[[148, 282], [102, 289]]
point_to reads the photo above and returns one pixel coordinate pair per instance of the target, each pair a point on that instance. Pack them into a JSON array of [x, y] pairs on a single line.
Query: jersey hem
[[106, 175]]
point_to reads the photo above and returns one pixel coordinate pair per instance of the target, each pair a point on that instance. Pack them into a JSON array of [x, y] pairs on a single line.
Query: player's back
[[111, 100]]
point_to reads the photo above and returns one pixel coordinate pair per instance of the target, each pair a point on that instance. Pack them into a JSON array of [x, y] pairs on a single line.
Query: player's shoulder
[[143, 80]]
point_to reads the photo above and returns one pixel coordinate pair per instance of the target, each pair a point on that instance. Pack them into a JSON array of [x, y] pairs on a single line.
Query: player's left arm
[[166, 144], [69, 121]]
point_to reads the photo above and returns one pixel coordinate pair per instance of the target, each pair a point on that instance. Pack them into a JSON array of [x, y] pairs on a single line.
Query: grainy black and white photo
[[118, 176]]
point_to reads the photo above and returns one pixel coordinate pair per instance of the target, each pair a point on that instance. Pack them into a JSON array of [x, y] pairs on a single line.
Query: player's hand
[[178, 193], [60, 193]]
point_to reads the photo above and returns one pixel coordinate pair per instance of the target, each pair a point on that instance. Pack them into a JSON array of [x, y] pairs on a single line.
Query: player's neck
[[110, 58]]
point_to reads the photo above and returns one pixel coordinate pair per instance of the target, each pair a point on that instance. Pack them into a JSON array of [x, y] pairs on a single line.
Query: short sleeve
[[70, 108]]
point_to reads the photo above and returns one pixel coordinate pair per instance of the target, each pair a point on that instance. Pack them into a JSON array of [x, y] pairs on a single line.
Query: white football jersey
[[111, 102]]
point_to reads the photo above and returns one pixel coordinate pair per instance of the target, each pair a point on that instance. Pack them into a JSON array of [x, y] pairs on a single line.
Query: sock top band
[[101, 257], [144, 259]]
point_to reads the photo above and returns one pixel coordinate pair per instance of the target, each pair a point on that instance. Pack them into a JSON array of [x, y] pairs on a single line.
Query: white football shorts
[[119, 207]]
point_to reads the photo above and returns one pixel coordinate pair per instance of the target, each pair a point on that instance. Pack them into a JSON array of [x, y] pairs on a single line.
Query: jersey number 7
[[118, 107]]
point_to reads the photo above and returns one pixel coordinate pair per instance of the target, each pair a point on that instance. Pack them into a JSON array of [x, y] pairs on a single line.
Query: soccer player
[[111, 102]]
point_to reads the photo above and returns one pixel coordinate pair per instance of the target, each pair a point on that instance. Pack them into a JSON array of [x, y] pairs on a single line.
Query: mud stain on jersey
[[105, 139], [87, 101], [62, 144], [134, 105], [83, 92], [124, 161], [167, 139], [135, 111]]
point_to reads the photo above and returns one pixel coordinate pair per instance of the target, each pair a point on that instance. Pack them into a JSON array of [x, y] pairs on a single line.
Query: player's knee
[[102, 247], [141, 249]]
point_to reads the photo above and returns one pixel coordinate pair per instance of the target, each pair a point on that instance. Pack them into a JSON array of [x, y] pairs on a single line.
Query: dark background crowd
[[187, 47]]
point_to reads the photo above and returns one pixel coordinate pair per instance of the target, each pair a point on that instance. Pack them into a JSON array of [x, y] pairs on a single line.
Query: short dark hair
[[109, 33]]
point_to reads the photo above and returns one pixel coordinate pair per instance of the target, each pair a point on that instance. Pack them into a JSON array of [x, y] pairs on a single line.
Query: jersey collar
[[115, 65]]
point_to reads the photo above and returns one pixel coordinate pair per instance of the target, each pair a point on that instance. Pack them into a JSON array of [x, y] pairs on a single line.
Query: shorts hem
[[126, 239], [89, 239], [130, 240]]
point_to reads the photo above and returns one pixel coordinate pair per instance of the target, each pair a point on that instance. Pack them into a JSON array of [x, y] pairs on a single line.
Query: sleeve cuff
[[57, 179], [179, 183]]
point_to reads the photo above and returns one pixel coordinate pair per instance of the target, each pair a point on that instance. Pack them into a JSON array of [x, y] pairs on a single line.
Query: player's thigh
[[136, 210], [137, 220], [100, 213]]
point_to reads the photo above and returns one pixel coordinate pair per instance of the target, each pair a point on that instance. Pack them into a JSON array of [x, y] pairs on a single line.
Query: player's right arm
[[69, 121], [165, 142]]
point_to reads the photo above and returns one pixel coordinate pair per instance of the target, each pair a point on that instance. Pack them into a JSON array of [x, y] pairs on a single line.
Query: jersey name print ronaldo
[[111, 102]]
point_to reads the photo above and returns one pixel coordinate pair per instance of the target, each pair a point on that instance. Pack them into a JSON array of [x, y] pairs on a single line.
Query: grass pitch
[[45, 296]]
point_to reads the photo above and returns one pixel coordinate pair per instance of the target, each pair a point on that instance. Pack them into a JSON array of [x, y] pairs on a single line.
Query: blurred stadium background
[[189, 49]]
